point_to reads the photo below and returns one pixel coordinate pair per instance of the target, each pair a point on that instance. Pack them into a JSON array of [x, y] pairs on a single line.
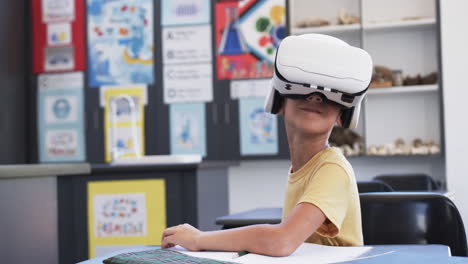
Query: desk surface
[[378, 254], [255, 216]]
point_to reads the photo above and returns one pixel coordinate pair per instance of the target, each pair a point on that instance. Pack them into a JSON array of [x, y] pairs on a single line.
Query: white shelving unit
[[300, 10], [410, 24], [327, 29], [433, 88], [398, 34], [368, 26]]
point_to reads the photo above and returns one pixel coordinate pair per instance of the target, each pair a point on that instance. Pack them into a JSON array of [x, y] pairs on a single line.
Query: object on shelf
[[418, 147], [382, 77], [409, 80], [412, 18], [346, 18], [397, 78], [347, 141], [312, 22], [431, 78]]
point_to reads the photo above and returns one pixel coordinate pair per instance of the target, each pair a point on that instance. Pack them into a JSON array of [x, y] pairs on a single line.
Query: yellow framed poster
[[125, 213], [124, 141]]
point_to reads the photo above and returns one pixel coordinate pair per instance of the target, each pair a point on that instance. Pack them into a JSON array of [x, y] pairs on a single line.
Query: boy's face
[[313, 115]]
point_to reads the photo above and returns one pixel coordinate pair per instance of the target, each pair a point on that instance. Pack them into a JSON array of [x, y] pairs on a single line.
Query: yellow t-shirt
[[327, 181]]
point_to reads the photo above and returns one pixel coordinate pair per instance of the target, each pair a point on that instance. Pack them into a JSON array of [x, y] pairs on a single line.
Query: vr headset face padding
[[274, 102], [315, 63]]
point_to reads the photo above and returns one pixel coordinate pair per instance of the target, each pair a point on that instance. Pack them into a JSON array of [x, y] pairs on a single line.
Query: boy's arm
[[273, 240]]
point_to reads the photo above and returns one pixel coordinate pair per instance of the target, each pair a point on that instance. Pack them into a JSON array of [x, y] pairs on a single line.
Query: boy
[[319, 81]]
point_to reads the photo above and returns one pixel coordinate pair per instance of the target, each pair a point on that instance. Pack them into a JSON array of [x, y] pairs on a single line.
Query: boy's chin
[[312, 130]]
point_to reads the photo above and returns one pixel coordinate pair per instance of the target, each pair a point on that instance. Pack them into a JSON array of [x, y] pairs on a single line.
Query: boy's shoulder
[[333, 155]]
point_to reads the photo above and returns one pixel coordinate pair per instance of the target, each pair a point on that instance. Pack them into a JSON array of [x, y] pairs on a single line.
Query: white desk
[[381, 254]]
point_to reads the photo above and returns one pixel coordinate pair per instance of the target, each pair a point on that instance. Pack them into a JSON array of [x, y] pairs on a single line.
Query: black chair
[[373, 186], [412, 218], [409, 182]]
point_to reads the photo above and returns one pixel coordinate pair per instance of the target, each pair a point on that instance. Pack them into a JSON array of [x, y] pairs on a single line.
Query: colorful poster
[[188, 83], [125, 212], [58, 10], [120, 215], [187, 128], [186, 44], [124, 124], [120, 42], [247, 36], [58, 34], [258, 130], [185, 12], [61, 117]]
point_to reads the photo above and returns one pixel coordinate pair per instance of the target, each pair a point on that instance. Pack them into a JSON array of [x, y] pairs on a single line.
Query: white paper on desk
[[217, 255], [308, 253]]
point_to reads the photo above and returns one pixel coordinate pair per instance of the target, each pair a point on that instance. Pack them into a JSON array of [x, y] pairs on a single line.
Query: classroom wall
[[13, 82], [255, 184], [454, 43]]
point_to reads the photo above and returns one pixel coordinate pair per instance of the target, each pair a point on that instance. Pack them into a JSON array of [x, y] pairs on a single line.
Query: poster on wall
[[60, 117], [58, 10], [125, 212], [186, 44], [120, 215], [247, 36], [258, 130], [58, 34], [188, 83], [120, 42], [250, 88], [59, 58], [185, 12], [123, 124], [187, 128]]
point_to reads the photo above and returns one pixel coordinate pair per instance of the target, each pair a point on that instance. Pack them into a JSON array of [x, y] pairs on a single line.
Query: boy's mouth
[[311, 110]]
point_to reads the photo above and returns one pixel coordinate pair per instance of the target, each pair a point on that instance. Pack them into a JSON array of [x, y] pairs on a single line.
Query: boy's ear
[[281, 102], [281, 110], [339, 121]]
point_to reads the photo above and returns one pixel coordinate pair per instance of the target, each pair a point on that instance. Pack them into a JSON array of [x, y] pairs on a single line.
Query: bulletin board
[[220, 116]]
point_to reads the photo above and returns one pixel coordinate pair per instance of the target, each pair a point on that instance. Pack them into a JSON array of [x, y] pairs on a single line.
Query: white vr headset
[[315, 63]]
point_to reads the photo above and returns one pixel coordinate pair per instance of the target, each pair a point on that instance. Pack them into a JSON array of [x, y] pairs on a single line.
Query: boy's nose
[[315, 98]]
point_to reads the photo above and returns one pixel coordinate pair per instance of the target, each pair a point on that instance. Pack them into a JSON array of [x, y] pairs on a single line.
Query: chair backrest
[[412, 218], [373, 186], [409, 182]]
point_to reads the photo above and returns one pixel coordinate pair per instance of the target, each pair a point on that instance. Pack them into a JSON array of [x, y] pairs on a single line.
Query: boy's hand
[[184, 235]]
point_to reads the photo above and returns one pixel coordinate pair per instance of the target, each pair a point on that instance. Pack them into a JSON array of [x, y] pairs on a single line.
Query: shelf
[[326, 29], [404, 89], [410, 24], [365, 156]]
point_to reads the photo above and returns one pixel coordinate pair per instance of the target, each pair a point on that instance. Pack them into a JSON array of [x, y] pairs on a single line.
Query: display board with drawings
[[221, 112]]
